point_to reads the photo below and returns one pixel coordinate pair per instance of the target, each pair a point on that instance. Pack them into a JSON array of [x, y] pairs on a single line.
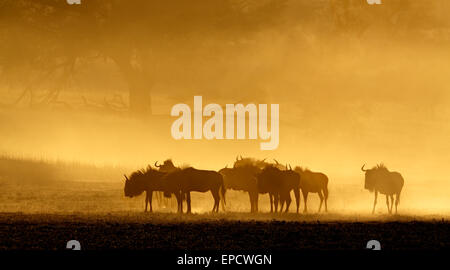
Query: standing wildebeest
[[243, 177], [148, 180], [166, 167], [380, 179], [279, 184], [182, 182], [314, 182]]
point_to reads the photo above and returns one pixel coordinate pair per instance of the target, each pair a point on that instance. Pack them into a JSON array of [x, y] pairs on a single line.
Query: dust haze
[[356, 84]]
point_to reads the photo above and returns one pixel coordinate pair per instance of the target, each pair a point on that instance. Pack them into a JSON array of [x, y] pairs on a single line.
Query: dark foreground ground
[[219, 232]]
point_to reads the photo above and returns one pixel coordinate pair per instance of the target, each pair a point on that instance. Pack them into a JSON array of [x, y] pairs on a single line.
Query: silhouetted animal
[[380, 179], [182, 182], [166, 167], [243, 177], [314, 182], [279, 184], [147, 180]]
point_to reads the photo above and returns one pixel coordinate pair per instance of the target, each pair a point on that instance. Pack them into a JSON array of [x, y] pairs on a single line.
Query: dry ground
[[230, 231]]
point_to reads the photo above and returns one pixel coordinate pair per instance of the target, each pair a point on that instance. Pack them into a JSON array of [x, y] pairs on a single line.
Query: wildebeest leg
[[150, 196], [146, 201], [305, 198], [271, 202], [158, 198], [216, 197], [188, 202], [282, 200], [375, 202], [179, 197], [297, 198], [288, 202], [392, 203], [387, 203], [177, 201], [397, 200], [255, 202], [321, 199], [252, 207], [276, 198], [325, 194]]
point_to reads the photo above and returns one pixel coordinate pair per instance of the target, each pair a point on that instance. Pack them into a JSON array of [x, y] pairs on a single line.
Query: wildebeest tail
[[222, 193], [325, 192], [325, 187]]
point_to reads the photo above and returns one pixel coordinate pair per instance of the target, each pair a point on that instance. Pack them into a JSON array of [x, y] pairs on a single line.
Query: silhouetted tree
[[47, 37]]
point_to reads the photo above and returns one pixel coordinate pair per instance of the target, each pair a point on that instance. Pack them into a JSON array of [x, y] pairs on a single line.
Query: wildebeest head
[[135, 185], [372, 176], [131, 184]]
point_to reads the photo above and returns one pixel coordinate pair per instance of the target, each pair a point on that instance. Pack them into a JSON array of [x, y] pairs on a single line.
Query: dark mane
[[380, 167], [136, 174], [249, 162]]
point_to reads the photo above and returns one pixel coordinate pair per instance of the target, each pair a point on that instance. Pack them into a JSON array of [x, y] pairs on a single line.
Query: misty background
[[356, 83]]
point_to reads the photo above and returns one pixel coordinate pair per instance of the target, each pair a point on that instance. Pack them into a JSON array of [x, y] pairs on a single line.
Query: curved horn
[[156, 164], [237, 158], [276, 161], [126, 178], [362, 168], [263, 160], [290, 168], [241, 157]]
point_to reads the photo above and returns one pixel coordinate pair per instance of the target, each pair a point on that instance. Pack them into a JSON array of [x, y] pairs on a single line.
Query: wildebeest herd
[[254, 177]]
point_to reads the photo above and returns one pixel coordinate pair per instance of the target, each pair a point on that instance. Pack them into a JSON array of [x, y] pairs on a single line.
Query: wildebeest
[[242, 177], [147, 180], [380, 179], [166, 167], [314, 182], [182, 182], [278, 184]]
